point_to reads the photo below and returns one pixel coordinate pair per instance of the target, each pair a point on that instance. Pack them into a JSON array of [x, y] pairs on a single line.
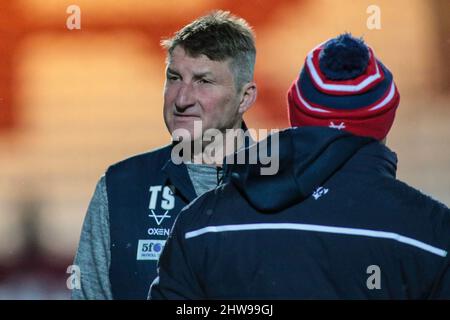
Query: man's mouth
[[186, 116]]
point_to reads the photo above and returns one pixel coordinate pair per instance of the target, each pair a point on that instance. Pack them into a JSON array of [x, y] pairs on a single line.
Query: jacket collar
[[178, 175]]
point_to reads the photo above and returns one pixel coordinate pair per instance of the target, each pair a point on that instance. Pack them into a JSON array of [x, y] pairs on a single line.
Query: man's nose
[[185, 97]]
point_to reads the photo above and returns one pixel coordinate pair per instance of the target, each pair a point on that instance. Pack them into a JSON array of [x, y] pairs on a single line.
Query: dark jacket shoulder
[[157, 157]]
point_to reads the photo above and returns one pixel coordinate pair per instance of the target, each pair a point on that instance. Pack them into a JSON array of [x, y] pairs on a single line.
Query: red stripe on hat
[[326, 112], [372, 69], [374, 124]]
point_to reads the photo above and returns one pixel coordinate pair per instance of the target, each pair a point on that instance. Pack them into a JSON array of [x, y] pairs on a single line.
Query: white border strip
[[318, 228], [340, 87]]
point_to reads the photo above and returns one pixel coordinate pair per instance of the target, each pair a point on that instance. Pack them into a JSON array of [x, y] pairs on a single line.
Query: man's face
[[199, 89]]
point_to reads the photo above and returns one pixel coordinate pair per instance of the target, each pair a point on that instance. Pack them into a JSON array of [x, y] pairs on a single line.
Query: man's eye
[[204, 81], [172, 78]]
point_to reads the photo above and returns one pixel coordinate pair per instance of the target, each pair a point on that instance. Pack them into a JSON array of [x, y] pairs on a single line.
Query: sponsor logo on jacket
[[150, 249]]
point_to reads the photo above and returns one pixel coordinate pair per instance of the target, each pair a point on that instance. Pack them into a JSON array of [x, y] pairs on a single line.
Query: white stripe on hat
[[319, 228], [383, 103], [387, 99], [306, 104], [340, 87]]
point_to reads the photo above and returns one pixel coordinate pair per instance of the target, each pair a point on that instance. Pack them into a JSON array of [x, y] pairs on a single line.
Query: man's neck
[[217, 148]]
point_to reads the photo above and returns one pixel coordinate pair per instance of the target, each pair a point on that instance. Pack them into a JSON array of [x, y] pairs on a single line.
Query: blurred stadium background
[[74, 102]]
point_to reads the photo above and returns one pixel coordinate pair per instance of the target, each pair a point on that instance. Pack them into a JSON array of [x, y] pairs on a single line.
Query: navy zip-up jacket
[[333, 223], [145, 194]]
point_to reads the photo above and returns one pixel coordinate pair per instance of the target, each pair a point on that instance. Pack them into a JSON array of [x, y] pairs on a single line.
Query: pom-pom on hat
[[342, 85]]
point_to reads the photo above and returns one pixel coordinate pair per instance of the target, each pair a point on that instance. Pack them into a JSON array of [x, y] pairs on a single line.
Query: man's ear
[[248, 97]]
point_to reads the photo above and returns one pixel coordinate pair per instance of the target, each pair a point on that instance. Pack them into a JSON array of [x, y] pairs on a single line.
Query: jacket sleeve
[[441, 287], [93, 255], [176, 279]]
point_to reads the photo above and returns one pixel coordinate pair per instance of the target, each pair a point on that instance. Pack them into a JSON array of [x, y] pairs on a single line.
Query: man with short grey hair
[[209, 80]]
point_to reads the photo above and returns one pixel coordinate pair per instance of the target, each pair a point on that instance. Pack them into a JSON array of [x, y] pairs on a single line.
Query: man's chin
[[189, 130], [186, 134]]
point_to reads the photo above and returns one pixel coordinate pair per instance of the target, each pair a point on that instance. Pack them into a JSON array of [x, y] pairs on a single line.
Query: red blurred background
[[73, 102]]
